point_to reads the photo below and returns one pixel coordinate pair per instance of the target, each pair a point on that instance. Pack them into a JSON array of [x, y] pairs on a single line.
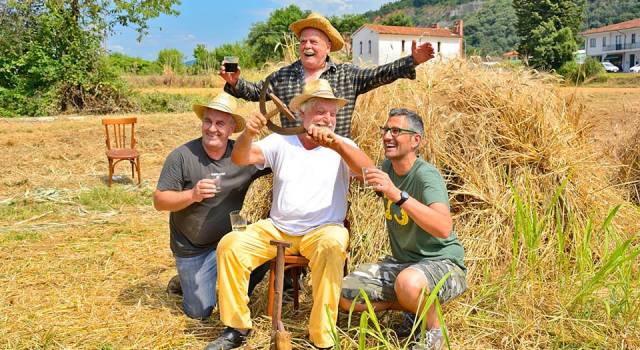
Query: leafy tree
[[51, 58], [132, 65], [205, 60], [398, 19], [491, 30], [171, 58], [241, 50], [551, 47], [548, 29], [347, 24], [266, 37]]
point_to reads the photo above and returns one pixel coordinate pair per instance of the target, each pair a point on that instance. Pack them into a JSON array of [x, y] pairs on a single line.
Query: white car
[[635, 69], [609, 67]]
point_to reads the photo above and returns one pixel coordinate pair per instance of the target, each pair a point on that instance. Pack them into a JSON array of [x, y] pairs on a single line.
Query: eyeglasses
[[395, 131]]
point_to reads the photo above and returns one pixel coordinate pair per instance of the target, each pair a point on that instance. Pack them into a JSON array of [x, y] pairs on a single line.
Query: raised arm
[[370, 78], [245, 152]]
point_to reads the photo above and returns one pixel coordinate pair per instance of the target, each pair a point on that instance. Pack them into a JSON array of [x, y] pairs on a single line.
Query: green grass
[[113, 198], [17, 236]]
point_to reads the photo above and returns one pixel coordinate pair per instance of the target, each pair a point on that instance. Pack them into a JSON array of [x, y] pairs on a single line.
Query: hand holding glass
[[217, 181], [365, 183], [230, 64]]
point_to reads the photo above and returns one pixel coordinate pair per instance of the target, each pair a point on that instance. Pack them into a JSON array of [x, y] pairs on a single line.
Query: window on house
[[402, 50], [369, 47], [361, 48], [604, 41], [592, 42], [633, 38], [438, 46]]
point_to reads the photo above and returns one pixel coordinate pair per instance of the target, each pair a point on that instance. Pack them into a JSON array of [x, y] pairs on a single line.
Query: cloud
[[115, 48], [334, 7]]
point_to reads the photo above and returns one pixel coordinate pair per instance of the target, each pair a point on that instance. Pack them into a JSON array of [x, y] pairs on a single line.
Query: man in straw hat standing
[[317, 37], [199, 209], [310, 184], [424, 244]]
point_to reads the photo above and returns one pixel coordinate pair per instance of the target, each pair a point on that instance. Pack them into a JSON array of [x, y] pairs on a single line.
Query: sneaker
[[432, 341], [404, 329], [174, 287], [230, 338]]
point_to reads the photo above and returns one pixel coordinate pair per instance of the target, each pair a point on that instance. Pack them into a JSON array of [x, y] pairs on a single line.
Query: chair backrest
[[116, 132]]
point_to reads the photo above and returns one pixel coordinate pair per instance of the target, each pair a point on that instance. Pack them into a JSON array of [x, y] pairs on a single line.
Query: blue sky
[[214, 23]]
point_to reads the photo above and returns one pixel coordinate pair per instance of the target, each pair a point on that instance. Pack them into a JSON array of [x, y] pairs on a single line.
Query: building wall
[[361, 39], [391, 46], [387, 48], [624, 47]]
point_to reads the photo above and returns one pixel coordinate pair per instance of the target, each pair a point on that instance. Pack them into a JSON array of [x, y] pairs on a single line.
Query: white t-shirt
[[309, 186]]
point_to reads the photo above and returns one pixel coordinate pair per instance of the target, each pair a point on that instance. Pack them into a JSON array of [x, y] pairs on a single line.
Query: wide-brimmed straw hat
[[319, 88], [317, 21], [223, 103]]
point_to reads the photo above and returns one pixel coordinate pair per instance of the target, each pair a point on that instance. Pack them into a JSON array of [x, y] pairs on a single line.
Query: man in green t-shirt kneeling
[[424, 245]]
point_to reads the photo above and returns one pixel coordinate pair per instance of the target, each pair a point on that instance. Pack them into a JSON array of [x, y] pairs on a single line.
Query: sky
[[214, 23]]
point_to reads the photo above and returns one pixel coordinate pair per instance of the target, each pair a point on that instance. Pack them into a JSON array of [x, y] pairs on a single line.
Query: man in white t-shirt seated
[[311, 175]]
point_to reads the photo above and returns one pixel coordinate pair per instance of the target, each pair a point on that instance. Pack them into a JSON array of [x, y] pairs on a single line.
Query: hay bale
[[628, 153]]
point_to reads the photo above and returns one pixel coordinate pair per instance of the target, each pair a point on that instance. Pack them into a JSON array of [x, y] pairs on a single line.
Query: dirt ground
[[613, 114]]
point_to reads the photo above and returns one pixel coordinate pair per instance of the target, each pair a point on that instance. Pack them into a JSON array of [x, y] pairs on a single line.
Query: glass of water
[[217, 180], [238, 222]]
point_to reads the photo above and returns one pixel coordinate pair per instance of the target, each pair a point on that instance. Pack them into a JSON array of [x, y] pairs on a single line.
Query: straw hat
[[319, 88], [223, 103], [317, 21]]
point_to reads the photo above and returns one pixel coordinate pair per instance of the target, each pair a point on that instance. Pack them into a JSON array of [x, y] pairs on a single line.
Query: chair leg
[[138, 169], [295, 274], [133, 176], [272, 288], [110, 171]]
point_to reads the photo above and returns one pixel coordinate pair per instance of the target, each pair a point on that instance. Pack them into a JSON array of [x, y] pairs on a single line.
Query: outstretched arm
[[353, 156]]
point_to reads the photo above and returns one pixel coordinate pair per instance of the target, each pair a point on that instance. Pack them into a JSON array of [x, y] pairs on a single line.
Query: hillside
[[490, 24]]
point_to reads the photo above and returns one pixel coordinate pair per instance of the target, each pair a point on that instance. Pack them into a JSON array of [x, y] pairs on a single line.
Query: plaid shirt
[[347, 80]]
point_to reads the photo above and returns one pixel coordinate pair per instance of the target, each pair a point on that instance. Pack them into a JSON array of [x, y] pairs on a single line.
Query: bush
[[575, 73], [158, 102]]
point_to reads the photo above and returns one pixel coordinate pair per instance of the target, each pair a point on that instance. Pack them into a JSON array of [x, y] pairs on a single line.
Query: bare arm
[[353, 156], [434, 218], [245, 152], [177, 200]]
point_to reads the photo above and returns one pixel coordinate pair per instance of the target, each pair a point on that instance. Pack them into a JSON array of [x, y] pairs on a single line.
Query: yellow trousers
[[241, 251]]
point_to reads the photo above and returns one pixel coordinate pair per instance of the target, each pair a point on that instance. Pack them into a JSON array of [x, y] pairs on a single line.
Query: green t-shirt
[[409, 242]]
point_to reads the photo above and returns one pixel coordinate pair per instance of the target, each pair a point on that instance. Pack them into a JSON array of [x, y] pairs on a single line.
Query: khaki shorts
[[377, 279]]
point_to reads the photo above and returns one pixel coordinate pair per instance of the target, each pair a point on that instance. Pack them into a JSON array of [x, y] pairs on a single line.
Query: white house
[[617, 43], [378, 44]]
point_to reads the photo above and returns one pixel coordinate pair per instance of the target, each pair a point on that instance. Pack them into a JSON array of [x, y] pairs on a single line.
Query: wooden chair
[[295, 263], [118, 149]]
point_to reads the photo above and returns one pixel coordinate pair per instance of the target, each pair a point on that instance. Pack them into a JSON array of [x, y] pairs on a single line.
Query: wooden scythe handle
[[280, 108]]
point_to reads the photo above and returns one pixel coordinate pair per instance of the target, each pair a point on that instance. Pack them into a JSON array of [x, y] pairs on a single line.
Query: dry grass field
[[86, 266]]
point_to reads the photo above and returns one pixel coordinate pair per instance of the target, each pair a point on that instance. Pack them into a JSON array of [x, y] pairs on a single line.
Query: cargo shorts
[[377, 279]]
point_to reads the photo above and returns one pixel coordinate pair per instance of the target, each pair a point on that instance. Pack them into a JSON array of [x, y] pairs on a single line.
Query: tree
[[398, 19], [543, 22], [347, 24], [266, 38], [171, 58], [491, 30], [51, 59], [205, 60]]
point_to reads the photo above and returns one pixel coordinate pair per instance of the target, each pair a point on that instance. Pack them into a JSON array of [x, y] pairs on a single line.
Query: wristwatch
[[403, 198]]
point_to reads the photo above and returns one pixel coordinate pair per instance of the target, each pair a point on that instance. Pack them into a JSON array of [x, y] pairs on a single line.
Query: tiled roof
[[634, 23], [415, 31]]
